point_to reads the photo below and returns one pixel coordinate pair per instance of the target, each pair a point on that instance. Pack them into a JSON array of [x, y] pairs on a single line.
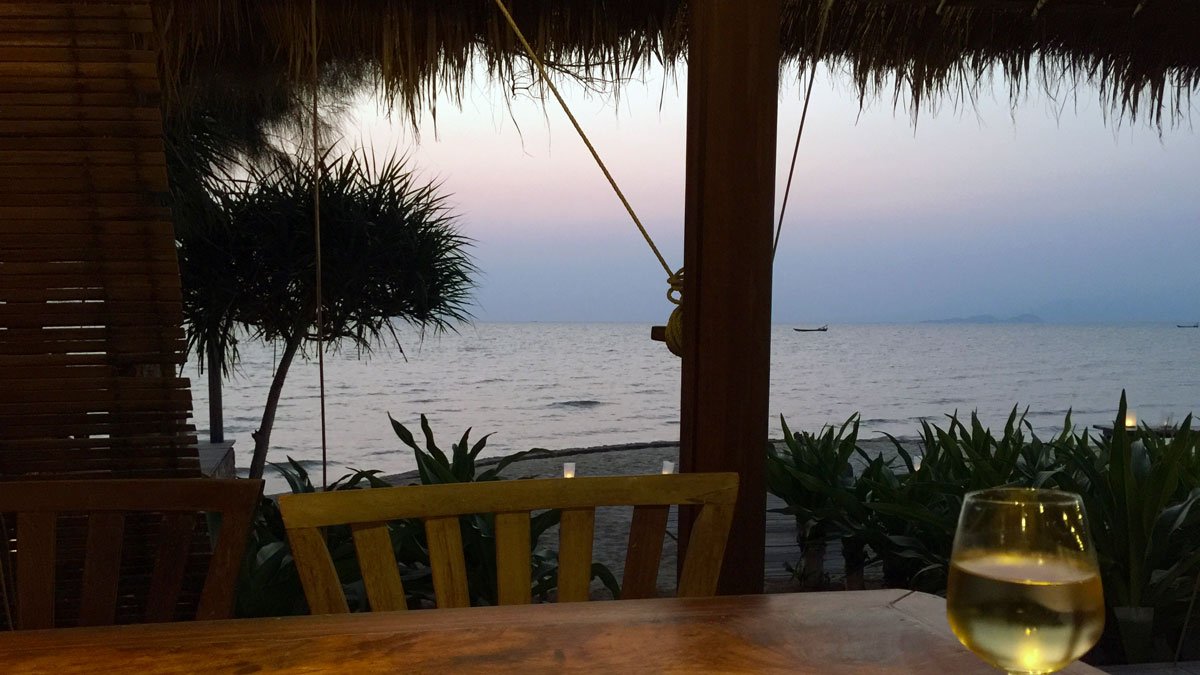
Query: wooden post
[[733, 80]]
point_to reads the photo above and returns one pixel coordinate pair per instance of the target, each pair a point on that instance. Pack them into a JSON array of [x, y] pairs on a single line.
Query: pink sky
[[971, 211]]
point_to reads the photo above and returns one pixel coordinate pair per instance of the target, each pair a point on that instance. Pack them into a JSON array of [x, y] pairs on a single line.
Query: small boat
[[1187, 325], [822, 329]]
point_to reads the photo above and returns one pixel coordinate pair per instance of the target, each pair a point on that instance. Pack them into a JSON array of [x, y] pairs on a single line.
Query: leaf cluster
[[390, 251], [270, 584], [1139, 489]]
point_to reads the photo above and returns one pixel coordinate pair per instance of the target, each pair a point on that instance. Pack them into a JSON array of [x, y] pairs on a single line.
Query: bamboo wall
[[90, 313]]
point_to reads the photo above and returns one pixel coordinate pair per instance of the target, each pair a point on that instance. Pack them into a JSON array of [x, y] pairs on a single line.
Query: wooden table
[[851, 632]]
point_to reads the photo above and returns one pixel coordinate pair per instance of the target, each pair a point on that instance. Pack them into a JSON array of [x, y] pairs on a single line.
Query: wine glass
[[1024, 592]]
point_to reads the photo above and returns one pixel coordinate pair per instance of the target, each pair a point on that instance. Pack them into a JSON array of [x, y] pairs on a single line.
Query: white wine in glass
[[1024, 591]]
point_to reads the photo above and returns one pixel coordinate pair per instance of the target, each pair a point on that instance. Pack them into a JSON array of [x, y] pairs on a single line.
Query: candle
[[1130, 419], [668, 466], [569, 470]]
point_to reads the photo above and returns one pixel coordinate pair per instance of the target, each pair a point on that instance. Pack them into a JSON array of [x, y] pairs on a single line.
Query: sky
[[1047, 208]]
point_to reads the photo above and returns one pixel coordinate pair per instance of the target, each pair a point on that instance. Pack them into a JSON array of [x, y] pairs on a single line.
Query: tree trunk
[[854, 555], [812, 574], [262, 437]]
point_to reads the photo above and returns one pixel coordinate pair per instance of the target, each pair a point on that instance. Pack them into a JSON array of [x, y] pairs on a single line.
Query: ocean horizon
[[561, 385]]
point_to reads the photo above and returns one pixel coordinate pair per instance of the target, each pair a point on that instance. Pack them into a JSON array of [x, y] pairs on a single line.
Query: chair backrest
[[368, 512], [106, 503]]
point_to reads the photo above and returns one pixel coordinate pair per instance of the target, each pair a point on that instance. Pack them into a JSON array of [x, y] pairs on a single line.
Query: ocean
[[571, 385]]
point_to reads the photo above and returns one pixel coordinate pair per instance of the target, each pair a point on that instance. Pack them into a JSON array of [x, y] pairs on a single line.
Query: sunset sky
[[1048, 209]]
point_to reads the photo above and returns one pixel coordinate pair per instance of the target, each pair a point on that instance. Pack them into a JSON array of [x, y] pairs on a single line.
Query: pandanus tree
[[391, 253]]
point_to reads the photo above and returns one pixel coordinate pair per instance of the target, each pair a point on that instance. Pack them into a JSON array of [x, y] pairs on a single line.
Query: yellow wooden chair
[[367, 512]]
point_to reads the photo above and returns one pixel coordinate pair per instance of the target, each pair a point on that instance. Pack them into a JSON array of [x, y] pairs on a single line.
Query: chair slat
[[449, 565], [440, 507], [576, 532], [377, 560], [35, 569], [217, 598], [317, 574], [442, 501], [174, 539], [119, 510], [512, 558], [102, 569], [645, 552], [705, 551]]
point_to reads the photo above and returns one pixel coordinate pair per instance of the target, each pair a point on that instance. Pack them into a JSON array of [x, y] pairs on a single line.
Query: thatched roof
[[1143, 55]]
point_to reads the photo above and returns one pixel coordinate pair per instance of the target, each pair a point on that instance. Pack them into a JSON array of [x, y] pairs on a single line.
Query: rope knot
[[674, 332]]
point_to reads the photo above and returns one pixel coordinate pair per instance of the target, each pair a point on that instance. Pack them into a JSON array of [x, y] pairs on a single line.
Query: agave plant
[[269, 584], [915, 507], [1140, 498], [435, 467], [1140, 489], [811, 476]]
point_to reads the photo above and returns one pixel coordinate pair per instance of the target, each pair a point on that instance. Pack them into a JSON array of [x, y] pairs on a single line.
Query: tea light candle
[[569, 470], [668, 467], [1130, 419]]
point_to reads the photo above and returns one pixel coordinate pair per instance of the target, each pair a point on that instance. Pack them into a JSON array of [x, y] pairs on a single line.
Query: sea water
[[580, 385]]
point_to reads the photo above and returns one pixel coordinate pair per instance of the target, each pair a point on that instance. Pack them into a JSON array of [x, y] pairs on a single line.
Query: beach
[[561, 386]]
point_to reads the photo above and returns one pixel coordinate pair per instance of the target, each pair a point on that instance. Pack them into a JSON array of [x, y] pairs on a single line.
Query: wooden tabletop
[[886, 631]]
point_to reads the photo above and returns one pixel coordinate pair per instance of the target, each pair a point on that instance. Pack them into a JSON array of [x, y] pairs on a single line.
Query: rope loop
[[674, 333], [675, 292]]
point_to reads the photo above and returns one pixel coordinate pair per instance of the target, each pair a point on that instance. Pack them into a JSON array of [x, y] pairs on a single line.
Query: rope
[[795, 153], [317, 237], [541, 67], [674, 331]]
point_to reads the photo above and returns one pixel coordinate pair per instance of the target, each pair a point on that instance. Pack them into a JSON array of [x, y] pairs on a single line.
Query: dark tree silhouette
[[391, 252]]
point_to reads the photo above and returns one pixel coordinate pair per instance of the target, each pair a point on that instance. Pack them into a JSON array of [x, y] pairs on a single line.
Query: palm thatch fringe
[[1142, 55]]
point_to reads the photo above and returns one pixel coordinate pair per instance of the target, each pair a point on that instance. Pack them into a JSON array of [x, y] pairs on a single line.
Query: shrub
[[1139, 489], [270, 585]]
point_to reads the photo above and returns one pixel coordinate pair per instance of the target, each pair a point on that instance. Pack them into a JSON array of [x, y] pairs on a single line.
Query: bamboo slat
[[90, 299], [151, 232], [47, 429], [75, 24], [29, 83], [62, 10], [62, 55], [130, 199], [88, 40], [88, 213], [81, 144], [141, 160]]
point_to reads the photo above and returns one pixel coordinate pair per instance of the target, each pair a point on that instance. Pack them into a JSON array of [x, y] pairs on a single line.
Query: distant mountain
[[988, 318]]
